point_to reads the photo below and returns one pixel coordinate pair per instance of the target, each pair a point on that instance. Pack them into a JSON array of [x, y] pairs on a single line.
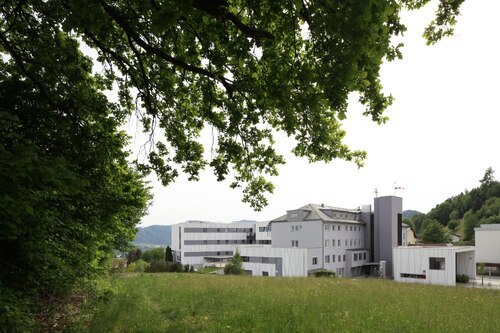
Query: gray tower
[[387, 234]]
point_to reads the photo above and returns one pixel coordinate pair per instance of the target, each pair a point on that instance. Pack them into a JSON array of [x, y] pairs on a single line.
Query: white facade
[[337, 239], [261, 260], [433, 265], [488, 244], [205, 243]]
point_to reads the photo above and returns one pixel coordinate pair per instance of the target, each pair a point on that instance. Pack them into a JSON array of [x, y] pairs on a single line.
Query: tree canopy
[[68, 195], [243, 69], [463, 212], [434, 232]]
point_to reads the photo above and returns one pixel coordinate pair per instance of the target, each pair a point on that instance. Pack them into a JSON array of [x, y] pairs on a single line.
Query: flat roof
[[438, 247]]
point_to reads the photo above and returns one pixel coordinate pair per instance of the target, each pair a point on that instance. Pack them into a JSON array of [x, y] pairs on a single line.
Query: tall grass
[[209, 303]]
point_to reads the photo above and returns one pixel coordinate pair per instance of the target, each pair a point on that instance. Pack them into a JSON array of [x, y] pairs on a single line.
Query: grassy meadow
[[209, 303]]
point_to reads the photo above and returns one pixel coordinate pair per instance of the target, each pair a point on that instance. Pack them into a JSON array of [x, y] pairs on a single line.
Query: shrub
[[235, 267], [138, 267], [324, 273], [157, 254], [15, 311], [118, 265], [462, 278], [157, 266]]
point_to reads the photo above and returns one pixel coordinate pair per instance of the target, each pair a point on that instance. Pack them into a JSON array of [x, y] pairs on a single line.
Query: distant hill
[[408, 214], [159, 235]]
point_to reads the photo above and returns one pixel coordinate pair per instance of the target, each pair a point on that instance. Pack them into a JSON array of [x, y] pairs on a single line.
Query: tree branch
[[218, 8], [122, 22]]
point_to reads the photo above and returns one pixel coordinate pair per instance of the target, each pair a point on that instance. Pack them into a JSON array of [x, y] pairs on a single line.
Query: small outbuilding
[[432, 264]]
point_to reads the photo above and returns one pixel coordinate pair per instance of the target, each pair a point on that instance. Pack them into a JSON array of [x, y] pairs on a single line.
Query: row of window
[[207, 253], [346, 228], [196, 230], [296, 227], [341, 258], [339, 215], [265, 229], [348, 242], [360, 256], [214, 242]]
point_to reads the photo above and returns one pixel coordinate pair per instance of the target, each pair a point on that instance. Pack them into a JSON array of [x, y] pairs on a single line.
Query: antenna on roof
[[376, 192]]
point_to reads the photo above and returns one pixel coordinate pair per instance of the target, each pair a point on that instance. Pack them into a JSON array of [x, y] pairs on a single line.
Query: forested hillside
[[462, 213], [154, 235]]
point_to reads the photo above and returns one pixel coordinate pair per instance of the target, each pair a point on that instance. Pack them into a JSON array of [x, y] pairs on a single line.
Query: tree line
[[461, 213]]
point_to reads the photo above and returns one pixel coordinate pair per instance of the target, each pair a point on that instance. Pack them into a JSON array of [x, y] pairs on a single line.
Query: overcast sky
[[442, 134]]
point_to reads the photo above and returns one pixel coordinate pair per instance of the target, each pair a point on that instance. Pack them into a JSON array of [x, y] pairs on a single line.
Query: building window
[[327, 242], [327, 259], [315, 260], [293, 215], [333, 258], [345, 228], [355, 257], [346, 242], [343, 257], [437, 263], [354, 242], [351, 228], [338, 228], [338, 243], [295, 243], [364, 256], [265, 273], [340, 258], [327, 227], [350, 242], [333, 242]]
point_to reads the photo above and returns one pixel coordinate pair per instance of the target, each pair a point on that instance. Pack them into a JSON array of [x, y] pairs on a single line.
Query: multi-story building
[[303, 240], [333, 236], [198, 243]]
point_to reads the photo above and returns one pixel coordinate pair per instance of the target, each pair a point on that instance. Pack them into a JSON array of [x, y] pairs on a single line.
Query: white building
[[335, 237], [488, 244], [262, 260], [433, 264], [349, 242], [206, 244]]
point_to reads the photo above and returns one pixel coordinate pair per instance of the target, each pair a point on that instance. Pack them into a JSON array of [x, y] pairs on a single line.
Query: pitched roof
[[318, 212]]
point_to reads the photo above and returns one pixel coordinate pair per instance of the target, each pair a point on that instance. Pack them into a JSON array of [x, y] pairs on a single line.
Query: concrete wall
[[488, 243], [386, 228], [294, 261], [308, 234], [415, 261]]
